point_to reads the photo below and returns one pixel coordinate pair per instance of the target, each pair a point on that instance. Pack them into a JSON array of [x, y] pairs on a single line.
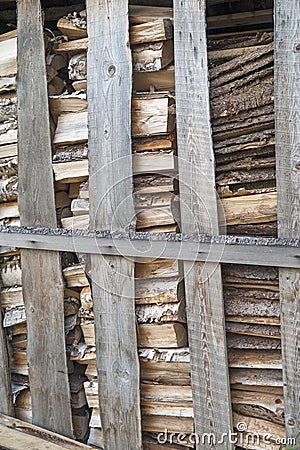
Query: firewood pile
[[241, 77]]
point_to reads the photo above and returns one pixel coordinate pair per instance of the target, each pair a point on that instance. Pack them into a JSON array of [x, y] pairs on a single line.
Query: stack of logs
[[11, 298], [241, 90]]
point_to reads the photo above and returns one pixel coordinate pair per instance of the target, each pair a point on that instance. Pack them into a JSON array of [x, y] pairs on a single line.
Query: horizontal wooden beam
[[186, 247]]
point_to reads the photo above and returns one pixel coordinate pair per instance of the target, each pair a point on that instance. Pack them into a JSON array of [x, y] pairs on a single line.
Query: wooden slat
[[18, 435], [224, 249], [6, 406], [111, 207], [203, 282], [41, 271], [287, 110]]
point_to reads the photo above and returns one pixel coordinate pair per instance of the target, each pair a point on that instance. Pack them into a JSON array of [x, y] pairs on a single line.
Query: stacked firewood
[[160, 308], [242, 113]]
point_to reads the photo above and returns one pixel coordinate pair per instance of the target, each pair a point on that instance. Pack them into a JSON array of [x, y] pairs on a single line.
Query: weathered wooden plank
[[203, 282], [287, 110], [111, 207], [6, 406], [42, 277], [185, 247], [16, 435]]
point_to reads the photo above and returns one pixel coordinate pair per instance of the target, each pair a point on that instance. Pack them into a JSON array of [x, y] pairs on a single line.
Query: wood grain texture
[[6, 406], [111, 207], [287, 110], [203, 282], [42, 277]]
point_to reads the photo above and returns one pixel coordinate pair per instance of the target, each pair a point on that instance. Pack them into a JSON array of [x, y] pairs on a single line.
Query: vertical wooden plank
[[287, 114], [43, 289], [6, 406], [111, 207], [203, 283]]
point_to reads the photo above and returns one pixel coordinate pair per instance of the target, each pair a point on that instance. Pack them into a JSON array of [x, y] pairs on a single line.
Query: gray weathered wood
[[287, 111], [184, 247], [41, 271], [111, 207], [6, 406], [203, 282]]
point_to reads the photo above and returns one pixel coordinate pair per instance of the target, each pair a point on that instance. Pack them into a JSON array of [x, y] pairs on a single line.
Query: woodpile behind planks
[[160, 306], [241, 91]]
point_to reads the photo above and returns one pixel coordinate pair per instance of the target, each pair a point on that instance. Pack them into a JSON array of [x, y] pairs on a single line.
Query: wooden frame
[[107, 249]]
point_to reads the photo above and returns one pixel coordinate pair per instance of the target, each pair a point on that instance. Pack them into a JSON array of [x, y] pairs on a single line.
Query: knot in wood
[[111, 70], [298, 48], [291, 422]]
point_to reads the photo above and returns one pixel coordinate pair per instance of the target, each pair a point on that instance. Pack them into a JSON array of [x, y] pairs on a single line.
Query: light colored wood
[[152, 57], [7, 84], [163, 80], [150, 116], [263, 405], [109, 99], [8, 50], [203, 282], [161, 313], [260, 359], [67, 27], [157, 30], [258, 208], [159, 424], [43, 290], [171, 335], [18, 435], [287, 97]]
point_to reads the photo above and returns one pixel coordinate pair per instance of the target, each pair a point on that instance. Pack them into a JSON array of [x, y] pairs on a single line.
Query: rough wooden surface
[[203, 282], [6, 406], [287, 109], [18, 435], [42, 278], [111, 207]]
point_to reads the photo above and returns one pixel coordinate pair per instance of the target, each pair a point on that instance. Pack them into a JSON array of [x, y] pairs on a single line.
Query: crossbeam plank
[[43, 288], [184, 247], [109, 71], [198, 203], [287, 112]]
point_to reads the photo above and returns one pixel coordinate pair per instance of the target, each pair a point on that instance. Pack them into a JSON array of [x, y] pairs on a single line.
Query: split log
[[157, 30], [253, 330], [7, 84], [246, 342], [152, 57], [256, 377], [75, 276], [156, 290], [69, 26], [149, 268], [8, 108], [158, 336], [262, 428], [255, 359], [9, 189], [172, 424], [11, 297], [264, 406], [258, 208], [8, 50], [171, 335], [169, 312]]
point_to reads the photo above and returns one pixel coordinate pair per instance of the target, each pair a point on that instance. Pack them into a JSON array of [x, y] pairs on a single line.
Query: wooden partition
[[111, 208]]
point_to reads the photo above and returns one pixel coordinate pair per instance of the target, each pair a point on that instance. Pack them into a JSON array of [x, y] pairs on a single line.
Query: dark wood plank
[[41, 271], [111, 207], [287, 111], [6, 406], [203, 283]]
